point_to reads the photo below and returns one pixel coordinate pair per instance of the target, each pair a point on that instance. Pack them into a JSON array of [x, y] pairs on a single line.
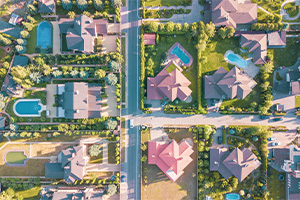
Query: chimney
[[152, 85], [153, 156], [246, 165], [254, 159], [216, 163], [73, 155], [169, 153]]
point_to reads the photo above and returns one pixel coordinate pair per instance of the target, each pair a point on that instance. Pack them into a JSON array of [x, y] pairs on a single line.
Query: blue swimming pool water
[[44, 35], [232, 196], [28, 107], [236, 59], [181, 55]]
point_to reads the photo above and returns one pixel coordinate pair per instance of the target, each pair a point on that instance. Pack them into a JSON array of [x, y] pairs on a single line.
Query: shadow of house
[[46, 6], [10, 30], [71, 164]]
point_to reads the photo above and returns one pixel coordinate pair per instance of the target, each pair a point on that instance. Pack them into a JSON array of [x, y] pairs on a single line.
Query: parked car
[[220, 139], [278, 119], [123, 179], [163, 103], [147, 105], [275, 143], [264, 117], [271, 138]]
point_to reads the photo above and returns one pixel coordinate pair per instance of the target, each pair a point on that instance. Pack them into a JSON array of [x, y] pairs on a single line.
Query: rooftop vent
[[233, 160], [246, 165], [152, 85]]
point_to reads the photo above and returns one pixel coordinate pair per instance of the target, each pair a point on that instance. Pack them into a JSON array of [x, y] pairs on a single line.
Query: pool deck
[[51, 91], [177, 60]]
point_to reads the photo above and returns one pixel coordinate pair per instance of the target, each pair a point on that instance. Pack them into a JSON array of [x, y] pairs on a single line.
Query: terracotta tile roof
[[149, 38], [232, 13], [257, 45], [239, 163], [172, 85], [231, 84], [277, 38], [171, 158]]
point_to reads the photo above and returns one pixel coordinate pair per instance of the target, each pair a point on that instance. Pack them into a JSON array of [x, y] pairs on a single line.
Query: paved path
[[103, 168], [283, 12], [105, 153], [261, 8], [56, 38], [193, 16]]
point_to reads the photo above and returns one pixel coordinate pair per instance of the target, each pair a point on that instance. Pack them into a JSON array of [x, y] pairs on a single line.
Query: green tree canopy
[[99, 73], [95, 150]]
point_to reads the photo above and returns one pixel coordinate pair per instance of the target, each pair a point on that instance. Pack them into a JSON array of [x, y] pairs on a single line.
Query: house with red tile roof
[[233, 13], [172, 158], [170, 82], [239, 163], [149, 38]]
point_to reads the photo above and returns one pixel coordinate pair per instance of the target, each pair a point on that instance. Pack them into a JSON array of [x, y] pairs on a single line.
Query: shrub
[[94, 150], [114, 66], [81, 4], [111, 124], [98, 4], [25, 34], [32, 9], [67, 4], [111, 79]]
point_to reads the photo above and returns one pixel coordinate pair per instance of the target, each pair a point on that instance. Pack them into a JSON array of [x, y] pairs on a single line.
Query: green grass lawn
[[297, 101], [146, 135], [15, 157], [261, 15], [191, 71], [111, 153], [30, 194], [275, 186], [123, 45], [64, 46], [286, 56], [91, 9], [164, 3], [271, 6], [1, 53], [31, 41], [291, 9]]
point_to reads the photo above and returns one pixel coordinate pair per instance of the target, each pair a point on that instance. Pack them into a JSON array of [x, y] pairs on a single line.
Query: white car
[[275, 143], [271, 138]]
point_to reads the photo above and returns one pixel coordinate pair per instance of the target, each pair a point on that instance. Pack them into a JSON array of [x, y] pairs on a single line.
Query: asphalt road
[[132, 166]]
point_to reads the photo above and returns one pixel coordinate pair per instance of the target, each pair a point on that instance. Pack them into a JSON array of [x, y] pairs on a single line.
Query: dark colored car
[[264, 117], [278, 119], [220, 140], [212, 102], [123, 178], [147, 105]]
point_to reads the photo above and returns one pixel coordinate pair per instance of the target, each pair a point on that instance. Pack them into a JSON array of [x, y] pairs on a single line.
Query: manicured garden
[[165, 13], [112, 156], [152, 3], [291, 9]]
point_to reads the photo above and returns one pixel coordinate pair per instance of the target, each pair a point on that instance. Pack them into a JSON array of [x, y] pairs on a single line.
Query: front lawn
[[159, 186], [1, 53], [31, 41], [292, 9], [91, 9], [165, 43], [30, 194], [35, 167], [111, 153], [146, 135], [297, 101]]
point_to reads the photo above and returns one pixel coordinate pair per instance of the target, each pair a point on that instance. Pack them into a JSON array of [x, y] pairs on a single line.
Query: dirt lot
[[159, 186]]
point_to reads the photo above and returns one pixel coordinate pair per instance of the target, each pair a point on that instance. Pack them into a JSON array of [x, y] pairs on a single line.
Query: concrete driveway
[[284, 138]]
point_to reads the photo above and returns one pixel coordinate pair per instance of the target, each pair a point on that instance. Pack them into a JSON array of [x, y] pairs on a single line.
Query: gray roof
[[231, 84], [2, 123], [9, 29], [81, 31], [54, 170], [20, 60], [216, 158], [46, 6]]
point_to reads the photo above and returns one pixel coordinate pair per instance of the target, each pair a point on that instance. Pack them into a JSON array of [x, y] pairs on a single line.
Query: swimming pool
[[181, 55], [44, 35], [28, 108], [232, 196], [235, 59]]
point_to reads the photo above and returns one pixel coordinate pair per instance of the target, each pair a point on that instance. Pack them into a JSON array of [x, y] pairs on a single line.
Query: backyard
[[165, 43], [159, 185], [275, 186], [111, 153]]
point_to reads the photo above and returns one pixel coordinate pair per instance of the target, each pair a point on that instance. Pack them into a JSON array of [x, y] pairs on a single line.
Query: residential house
[[149, 38], [239, 163], [70, 165], [276, 39], [170, 82], [172, 158], [46, 6], [11, 87], [238, 14], [228, 85], [20, 60], [15, 19], [290, 163], [256, 45], [10, 30], [78, 100], [72, 193], [81, 32]]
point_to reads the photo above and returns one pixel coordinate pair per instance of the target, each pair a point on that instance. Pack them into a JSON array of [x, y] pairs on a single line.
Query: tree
[[210, 30], [25, 34], [222, 33], [32, 9], [111, 79], [161, 27], [21, 49], [71, 14], [10, 194], [56, 134], [31, 19], [82, 4], [234, 182], [111, 124], [169, 27], [230, 32], [13, 127], [74, 73], [111, 189], [177, 27], [36, 134], [57, 74], [105, 15], [19, 74], [83, 74], [6, 41], [67, 4], [242, 192], [94, 150], [201, 46], [116, 3], [185, 27], [99, 73], [144, 158], [36, 77], [98, 4], [114, 66], [153, 27], [22, 42], [29, 26]]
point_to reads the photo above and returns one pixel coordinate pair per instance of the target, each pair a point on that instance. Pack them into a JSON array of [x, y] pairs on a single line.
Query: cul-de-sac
[[149, 99]]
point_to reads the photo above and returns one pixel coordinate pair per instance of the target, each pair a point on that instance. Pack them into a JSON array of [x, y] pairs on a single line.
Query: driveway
[[109, 43], [56, 38], [284, 138]]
